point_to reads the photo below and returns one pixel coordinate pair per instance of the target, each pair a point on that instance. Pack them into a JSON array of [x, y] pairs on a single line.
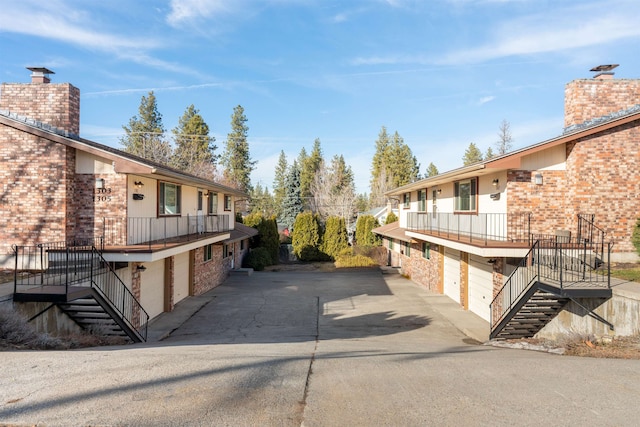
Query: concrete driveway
[[353, 348]]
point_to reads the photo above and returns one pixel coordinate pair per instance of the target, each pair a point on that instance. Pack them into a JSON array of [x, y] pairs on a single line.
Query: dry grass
[[582, 346], [17, 334]]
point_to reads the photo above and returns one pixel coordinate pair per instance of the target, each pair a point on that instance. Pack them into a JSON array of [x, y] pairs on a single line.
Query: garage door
[[181, 277], [480, 286], [452, 274], [152, 288]]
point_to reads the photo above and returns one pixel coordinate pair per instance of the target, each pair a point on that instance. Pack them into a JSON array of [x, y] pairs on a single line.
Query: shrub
[[635, 237], [335, 236], [391, 218], [257, 259], [351, 261], [364, 236], [306, 233], [17, 332]]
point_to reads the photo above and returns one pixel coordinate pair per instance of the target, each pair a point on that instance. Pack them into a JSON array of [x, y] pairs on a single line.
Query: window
[[465, 195], [422, 200], [406, 199], [200, 200], [242, 245], [227, 202], [213, 203], [407, 249], [208, 252], [225, 251], [391, 244], [426, 250], [169, 199]]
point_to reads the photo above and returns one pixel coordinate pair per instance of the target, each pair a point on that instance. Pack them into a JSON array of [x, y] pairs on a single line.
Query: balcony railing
[[483, 227], [164, 230]]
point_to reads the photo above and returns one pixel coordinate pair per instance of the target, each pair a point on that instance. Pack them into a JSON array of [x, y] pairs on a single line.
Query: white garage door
[[181, 277], [152, 288], [452, 274], [480, 286]]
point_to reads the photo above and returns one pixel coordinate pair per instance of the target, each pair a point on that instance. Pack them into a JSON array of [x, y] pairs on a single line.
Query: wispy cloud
[[184, 11], [65, 25], [485, 99]]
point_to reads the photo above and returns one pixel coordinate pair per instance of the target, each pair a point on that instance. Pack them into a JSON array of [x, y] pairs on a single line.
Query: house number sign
[[102, 194]]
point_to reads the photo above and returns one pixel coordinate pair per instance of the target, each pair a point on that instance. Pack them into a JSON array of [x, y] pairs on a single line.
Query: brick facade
[[421, 270], [55, 104], [209, 274], [587, 99]]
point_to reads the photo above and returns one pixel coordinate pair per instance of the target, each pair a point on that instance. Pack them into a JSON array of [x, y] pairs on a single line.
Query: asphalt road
[[315, 349]]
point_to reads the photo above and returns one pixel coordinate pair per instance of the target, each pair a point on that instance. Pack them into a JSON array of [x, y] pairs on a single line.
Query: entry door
[[452, 274], [199, 213]]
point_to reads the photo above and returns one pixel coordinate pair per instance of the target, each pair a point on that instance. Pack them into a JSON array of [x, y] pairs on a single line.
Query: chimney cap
[[606, 67], [40, 70]]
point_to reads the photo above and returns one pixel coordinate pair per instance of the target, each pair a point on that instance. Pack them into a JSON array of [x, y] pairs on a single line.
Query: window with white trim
[[227, 202], [422, 200], [406, 199], [465, 195], [208, 252], [426, 250], [213, 203]]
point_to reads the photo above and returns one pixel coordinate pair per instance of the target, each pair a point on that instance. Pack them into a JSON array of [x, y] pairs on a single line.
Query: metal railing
[[564, 262], [484, 227], [163, 230], [69, 264]]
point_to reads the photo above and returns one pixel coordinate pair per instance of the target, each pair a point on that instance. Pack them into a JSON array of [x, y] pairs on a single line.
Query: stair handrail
[[120, 297], [515, 286]]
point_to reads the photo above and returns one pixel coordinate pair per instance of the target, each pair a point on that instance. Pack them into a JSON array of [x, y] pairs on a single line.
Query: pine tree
[[309, 166], [379, 182], [472, 155], [292, 202], [279, 183], [195, 149], [489, 154], [261, 200], [505, 140], [236, 158], [144, 136], [432, 170], [401, 161]]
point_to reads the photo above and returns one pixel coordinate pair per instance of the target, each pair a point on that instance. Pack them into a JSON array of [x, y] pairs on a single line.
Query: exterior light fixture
[[538, 179], [100, 183], [495, 182], [139, 184], [439, 191], [141, 268]]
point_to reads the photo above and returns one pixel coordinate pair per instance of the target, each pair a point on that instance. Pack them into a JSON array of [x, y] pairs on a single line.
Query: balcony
[[484, 229], [154, 233]]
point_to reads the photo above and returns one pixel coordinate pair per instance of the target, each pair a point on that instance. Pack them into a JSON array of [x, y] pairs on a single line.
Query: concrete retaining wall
[[622, 310]]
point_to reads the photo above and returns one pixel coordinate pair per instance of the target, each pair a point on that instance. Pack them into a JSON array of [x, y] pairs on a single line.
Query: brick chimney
[[57, 104], [587, 99]]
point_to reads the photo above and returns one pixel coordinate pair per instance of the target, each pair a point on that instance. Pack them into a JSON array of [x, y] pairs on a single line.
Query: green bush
[[391, 218], [364, 236], [257, 259], [635, 237], [267, 234], [306, 233], [335, 236]]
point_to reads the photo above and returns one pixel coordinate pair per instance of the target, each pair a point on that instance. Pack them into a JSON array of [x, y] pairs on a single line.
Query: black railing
[[163, 230], [589, 232], [63, 264], [484, 227], [563, 262]]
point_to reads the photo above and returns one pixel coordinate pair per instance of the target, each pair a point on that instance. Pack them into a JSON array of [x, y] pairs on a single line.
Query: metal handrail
[[62, 264], [160, 230], [514, 227]]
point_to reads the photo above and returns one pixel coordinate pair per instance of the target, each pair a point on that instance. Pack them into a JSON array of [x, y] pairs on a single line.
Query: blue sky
[[443, 73]]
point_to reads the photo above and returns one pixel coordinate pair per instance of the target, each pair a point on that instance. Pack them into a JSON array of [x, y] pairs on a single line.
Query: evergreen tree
[[489, 154], [309, 166], [401, 161], [362, 202], [364, 236], [195, 149], [280, 184], [472, 155], [379, 181], [391, 218], [306, 237], [432, 170], [144, 136], [505, 140], [261, 200], [236, 158], [292, 202], [335, 236]]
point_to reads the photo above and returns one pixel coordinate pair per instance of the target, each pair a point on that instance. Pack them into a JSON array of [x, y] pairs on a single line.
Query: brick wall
[[587, 99], [55, 104], [603, 178], [421, 270], [35, 189], [209, 274]]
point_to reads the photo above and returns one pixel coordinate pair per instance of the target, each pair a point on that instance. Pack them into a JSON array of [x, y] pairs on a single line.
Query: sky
[[442, 73]]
